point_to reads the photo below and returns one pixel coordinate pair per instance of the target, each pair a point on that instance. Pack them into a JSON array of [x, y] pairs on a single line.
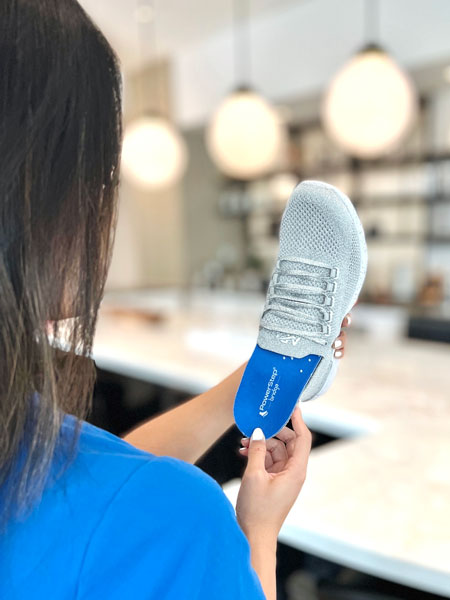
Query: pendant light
[[245, 137], [154, 154], [371, 103]]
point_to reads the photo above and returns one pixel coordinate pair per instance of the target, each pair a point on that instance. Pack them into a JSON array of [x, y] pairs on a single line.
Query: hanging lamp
[[371, 104], [154, 154], [245, 136]]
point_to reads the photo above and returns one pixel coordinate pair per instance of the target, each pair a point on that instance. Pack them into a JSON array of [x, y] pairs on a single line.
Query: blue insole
[[269, 390]]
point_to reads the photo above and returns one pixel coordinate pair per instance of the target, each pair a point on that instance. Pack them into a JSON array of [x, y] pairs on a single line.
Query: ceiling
[[296, 45], [178, 23]]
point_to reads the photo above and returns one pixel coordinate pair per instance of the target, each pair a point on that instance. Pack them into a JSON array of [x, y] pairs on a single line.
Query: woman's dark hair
[[60, 142]]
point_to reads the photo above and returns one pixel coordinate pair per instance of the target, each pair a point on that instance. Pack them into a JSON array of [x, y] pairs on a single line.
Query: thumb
[[257, 451]]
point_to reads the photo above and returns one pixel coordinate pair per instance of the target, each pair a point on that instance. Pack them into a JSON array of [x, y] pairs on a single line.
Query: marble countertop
[[378, 500], [379, 504]]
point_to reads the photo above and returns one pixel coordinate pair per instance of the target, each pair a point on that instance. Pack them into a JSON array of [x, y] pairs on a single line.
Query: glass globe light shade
[[370, 105], [154, 154], [245, 137]]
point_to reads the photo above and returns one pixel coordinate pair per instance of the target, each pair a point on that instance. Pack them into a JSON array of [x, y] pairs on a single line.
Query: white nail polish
[[258, 435], [338, 343], [338, 354], [349, 320]]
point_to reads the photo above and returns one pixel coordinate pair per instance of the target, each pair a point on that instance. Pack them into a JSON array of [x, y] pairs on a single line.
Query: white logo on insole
[[271, 390]]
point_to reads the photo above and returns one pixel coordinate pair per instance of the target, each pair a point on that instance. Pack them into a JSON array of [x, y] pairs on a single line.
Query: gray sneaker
[[318, 276]]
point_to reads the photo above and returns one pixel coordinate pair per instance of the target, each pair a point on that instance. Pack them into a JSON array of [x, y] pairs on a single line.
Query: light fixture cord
[[140, 45], [147, 37], [372, 21], [241, 42]]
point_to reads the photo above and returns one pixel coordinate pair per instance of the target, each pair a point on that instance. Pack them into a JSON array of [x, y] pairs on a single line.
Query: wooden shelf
[[403, 238], [405, 200]]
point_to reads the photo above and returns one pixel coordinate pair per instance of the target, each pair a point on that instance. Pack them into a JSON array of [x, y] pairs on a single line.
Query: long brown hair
[[60, 142]]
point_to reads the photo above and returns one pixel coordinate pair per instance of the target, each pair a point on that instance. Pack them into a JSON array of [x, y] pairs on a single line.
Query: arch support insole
[[269, 390]]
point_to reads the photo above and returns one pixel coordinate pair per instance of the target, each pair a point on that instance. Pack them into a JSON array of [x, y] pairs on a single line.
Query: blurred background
[[228, 104]]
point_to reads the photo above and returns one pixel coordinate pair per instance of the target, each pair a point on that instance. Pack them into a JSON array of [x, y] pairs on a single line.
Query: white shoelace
[[301, 298]]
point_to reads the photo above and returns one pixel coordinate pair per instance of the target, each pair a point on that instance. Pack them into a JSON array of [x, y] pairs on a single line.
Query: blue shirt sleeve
[[168, 533]]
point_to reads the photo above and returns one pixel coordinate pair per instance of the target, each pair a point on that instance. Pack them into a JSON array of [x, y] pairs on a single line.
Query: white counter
[[379, 501]]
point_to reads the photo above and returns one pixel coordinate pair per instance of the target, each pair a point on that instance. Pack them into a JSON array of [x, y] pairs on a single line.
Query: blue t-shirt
[[123, 524]]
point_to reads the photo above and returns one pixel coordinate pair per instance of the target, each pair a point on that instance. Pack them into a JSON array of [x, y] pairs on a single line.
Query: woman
[[84, 514]]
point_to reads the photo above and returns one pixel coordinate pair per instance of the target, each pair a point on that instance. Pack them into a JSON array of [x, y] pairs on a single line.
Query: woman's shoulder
[[113, 488], [104, 463], [172, 521], [118, 514]]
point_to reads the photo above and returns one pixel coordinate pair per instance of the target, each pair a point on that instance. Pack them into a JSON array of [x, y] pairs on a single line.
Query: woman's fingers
[[268, 463], [277, 467], [339, 342], [286, 435], [292, 449], [256, 452], [289, 448], [347, 320], [275, 453], [299, 451], [273, 445], [339, 345]]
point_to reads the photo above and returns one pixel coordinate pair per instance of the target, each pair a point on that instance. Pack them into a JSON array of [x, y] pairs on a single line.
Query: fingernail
[[257, 435], [338, 343], [338, 354], [349, 319], [244, 440], [242, 449]]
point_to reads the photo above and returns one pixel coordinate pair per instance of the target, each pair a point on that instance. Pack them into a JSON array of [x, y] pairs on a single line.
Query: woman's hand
[[268, 490], [274, 476], [274, 450]]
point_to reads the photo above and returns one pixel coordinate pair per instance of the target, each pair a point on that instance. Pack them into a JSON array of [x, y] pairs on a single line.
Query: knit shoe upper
[[318, 276]]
